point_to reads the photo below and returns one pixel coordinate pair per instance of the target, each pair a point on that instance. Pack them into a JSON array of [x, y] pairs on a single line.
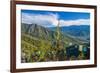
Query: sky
[[52, 18]]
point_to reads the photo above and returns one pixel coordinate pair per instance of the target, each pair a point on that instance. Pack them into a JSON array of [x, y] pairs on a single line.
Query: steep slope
[[37, 31]]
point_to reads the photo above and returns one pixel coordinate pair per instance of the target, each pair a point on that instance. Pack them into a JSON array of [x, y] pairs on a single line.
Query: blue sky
[[50, 18]]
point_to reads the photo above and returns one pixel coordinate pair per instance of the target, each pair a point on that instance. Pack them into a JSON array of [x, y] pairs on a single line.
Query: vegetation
[[39, 44]]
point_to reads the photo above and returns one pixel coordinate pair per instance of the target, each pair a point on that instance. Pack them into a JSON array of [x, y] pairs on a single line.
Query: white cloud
[[50, 19], [74, 22], [46, 20]]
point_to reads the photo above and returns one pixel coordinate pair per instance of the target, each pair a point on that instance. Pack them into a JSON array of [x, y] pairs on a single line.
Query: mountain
[[40, 32], [80, 32], [37, 31]]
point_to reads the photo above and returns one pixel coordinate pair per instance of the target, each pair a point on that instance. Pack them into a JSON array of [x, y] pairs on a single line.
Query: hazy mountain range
[[78, 31], [81, 30], [77, 34]]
